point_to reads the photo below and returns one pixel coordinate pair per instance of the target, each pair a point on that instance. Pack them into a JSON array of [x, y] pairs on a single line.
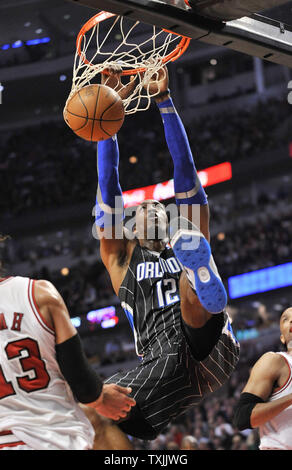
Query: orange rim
[[104, 15]]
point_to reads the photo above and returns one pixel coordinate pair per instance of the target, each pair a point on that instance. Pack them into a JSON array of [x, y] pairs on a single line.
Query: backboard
[[260, 28]]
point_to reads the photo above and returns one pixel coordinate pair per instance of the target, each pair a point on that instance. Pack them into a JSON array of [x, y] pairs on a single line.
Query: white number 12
[[166, 298]]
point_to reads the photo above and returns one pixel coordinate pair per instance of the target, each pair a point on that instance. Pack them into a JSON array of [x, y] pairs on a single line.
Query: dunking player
[[41, 354], [181, 330], [266, 400]]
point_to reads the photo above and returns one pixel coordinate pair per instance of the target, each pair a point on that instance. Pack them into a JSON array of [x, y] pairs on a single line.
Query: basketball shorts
[[166, 384]]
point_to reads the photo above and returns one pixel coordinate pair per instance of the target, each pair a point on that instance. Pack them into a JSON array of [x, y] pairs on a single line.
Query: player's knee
[[195, 321]]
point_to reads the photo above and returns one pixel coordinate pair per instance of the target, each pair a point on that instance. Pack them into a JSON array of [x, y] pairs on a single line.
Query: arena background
[[236, 111]]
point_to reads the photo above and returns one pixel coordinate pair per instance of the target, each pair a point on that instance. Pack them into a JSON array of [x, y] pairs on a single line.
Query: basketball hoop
[[139, 50]]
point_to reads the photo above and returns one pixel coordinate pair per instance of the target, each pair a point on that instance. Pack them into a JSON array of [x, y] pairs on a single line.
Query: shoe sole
[[208, 286]]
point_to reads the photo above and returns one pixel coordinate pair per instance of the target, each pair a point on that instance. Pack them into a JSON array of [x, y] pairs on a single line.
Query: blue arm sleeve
[[187, 185], [109, 200]]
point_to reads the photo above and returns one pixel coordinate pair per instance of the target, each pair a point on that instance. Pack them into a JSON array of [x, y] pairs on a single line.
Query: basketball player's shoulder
[[269, 356], [271, 361], [277, 367], [42, 284], [278, 359], [45, 292]]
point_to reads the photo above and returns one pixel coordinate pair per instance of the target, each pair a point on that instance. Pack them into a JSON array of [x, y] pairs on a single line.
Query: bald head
[[287, 311]]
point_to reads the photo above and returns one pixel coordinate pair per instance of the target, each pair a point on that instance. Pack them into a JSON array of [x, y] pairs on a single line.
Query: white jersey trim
[[35, 309], [288, 381]]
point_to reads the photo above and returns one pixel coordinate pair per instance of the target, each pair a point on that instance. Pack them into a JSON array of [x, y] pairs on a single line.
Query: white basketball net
[[131, 46]]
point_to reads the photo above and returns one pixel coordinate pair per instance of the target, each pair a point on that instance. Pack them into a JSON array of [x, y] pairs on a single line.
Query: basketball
[[95, 112]]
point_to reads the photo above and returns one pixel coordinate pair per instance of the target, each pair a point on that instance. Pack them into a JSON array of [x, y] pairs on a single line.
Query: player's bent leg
[[193, 313], [108, 435], [215, 350], [203, 339], [114, 439], [201, 328], [193, 251]]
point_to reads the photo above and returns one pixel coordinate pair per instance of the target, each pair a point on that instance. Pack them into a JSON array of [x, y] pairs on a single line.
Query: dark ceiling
[[19, 19], [37, 92]]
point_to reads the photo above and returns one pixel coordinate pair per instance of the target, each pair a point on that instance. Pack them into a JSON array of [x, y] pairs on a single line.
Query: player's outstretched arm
[[114, 240], [253, 410], [112, 401], [202, 273], [189, 193], [109, 203]]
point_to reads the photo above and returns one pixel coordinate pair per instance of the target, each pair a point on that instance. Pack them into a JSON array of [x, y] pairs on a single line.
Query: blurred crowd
[[257, 245], [48, 166], [238, 134]]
